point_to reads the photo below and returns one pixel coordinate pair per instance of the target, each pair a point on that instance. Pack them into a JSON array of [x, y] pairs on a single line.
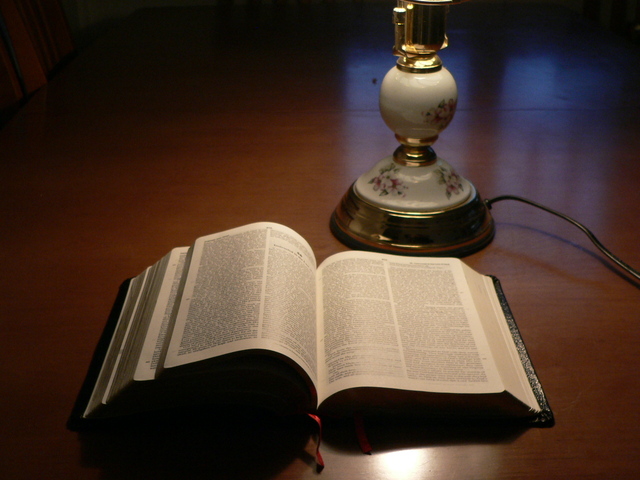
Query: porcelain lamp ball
[[418, 105]]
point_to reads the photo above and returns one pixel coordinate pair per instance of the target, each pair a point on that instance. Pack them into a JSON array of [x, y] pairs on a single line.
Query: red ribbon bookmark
[[319, 460], [361, 433]]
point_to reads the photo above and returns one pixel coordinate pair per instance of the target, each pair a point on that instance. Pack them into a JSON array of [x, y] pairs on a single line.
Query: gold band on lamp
[[413, 202], [456, 232]]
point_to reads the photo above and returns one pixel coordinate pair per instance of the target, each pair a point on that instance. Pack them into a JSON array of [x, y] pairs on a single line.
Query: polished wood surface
[[184, 122]]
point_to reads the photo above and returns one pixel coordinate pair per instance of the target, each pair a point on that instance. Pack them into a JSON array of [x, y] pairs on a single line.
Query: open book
[[244, 317]]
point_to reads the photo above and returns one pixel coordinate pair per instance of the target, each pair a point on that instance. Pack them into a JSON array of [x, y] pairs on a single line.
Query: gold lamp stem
[[420, 32]]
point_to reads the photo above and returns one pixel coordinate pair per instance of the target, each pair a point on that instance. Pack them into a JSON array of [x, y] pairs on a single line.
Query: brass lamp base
[[454, 232]]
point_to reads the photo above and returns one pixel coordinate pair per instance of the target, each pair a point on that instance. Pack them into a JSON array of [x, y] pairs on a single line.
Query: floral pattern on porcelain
[[451, 180], [387, 183], [440, 116]]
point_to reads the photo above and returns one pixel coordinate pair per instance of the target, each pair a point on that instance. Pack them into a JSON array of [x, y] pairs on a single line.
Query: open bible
[[245, 317]]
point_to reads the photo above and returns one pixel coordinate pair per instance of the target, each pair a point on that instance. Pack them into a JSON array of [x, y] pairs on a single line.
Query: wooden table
[[184, 122]]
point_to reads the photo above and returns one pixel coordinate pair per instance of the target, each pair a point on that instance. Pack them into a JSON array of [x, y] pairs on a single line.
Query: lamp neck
[[419, 35]]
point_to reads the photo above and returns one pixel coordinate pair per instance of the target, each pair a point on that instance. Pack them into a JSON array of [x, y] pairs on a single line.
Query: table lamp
[[413, 202]]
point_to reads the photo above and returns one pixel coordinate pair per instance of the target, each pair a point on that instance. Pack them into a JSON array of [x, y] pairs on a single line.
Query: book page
[[113, 356], [500, 339], [252, 287], [161, 316], [400, 322]]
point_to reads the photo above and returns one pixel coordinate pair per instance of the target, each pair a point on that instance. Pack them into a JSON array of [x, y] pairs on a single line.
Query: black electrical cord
[[635, 273]]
